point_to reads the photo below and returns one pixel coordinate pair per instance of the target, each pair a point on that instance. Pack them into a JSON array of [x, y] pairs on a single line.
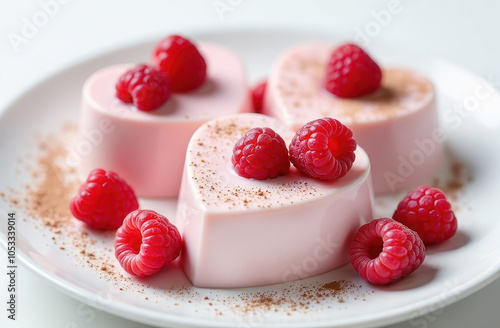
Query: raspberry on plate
[[351, 72], [103, 200], [181, 62], [258, 93], [145, 242], [323, 149], [260, 154], [144, 86], [384, 250], [427, 211]]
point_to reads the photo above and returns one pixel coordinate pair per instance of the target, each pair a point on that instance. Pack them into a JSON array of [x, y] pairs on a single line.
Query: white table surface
[[463, 32]]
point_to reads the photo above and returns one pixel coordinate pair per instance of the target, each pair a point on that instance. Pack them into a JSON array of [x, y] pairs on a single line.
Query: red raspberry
[[103, 200], [145, 86], [427, 211], [385, 250], [323, 149], [260, 154], [181, 62], [351, 72], [258, 96], [145, 242]]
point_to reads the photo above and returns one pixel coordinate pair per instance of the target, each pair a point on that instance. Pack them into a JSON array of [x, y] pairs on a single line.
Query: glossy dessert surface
[[147, 148], [389, 124], [243, 232]]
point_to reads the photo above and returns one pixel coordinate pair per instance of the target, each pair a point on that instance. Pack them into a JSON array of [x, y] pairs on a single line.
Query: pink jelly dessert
[[242, 232], [147, 149], [397, 125]]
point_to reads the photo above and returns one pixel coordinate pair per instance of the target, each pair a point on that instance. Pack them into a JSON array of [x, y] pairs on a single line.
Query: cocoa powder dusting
[[45, 202], [45, 199], [299, 297], [334, 286], [453, 184], [49, 198]]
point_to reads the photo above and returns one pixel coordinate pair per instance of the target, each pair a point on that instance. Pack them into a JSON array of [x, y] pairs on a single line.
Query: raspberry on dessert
[[427, 211], [144, 86], [145, 242], [181, 62], [351, 72], [258, 96], [323, 149], [103, 200], [384, 250], [260, 154]]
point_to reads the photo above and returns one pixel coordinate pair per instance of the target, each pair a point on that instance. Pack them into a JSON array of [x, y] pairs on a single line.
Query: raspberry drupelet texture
[[103, 200], [144, 86], [258, 93], [385, 250], [181, 62], [351, 72], [323, 149], [427, 211], [146, 242], [260, 154]]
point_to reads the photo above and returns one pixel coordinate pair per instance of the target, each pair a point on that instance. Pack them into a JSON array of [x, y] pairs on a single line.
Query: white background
[[463, 32]]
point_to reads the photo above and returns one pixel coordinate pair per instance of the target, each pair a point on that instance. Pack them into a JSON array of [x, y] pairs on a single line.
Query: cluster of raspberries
[[382, 250]]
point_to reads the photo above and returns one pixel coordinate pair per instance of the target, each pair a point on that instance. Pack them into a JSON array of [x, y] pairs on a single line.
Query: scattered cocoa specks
[[53, 184], [454, 182], [46, 203], [298, 298], [460, 175]]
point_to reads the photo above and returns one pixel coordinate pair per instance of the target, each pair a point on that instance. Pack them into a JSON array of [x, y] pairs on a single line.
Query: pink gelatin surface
[[241, 232], [147, 149], [397, 125]]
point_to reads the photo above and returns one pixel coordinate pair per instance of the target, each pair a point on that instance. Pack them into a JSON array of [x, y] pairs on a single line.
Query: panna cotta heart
[[241, 232], [147, 149], [396, 125]]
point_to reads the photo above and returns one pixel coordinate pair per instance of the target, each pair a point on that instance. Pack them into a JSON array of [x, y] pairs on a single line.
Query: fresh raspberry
[[351, 72], [385, 250], [144, 86], [323, 149], [258, 93], [427, 211], [103, 200], [260, 154], [145, 242], [181, 62]]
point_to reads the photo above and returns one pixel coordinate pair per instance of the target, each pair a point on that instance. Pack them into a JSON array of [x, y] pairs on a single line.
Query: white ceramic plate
[[467, 262]]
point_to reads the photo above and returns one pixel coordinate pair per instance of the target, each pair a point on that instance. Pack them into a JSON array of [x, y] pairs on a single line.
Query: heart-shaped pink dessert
[[242, 232], [397, 125], [147, 149]]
